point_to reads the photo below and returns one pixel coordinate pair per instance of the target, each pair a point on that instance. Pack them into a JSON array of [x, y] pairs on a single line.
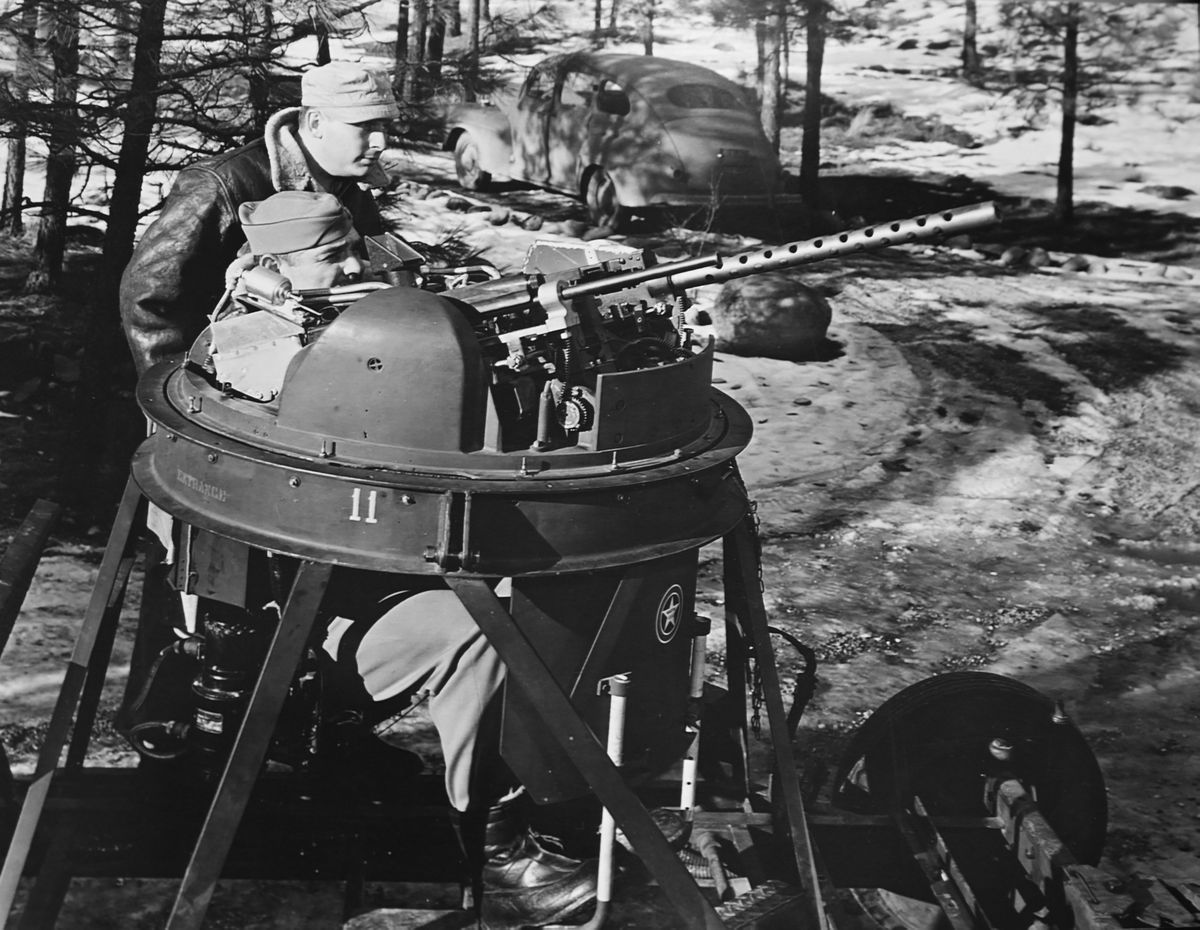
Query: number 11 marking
[[356, 502]]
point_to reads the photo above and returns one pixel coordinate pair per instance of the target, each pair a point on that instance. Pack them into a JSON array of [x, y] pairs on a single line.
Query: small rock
[[1013, 257], [458, 204], [1037, 257], [498, 216], [574, 228], [772, 315], [962, 241], [1097, 268], [1076, 263]]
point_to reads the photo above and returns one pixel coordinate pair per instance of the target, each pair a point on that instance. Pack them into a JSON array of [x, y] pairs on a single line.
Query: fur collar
[[289, 168]]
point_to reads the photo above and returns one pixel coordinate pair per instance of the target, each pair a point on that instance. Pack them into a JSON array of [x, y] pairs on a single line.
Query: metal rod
[[866, 238], [687, 779], [618, 688], [715, 269]]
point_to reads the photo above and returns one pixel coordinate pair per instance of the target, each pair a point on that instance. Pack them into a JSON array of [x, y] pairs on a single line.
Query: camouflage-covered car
[[626, 133]]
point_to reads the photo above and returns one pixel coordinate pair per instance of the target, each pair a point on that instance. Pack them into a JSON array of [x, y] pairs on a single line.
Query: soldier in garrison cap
[[330, 144], [308, 238]]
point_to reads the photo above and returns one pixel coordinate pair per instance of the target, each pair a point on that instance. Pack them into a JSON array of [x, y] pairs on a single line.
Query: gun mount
[[560, 428]]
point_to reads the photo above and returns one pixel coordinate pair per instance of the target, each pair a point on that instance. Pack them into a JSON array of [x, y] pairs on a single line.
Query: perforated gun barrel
[[675, 277]]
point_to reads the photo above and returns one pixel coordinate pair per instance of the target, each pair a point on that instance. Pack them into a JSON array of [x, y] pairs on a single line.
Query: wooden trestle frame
[[76, 707]]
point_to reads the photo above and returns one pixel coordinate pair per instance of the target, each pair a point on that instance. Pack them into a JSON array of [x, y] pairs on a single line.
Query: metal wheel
[[932, 740], [466, 164], [603, 205]]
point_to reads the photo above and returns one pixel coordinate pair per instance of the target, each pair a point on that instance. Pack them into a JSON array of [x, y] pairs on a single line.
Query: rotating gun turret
[[586, 352], [580, 312]]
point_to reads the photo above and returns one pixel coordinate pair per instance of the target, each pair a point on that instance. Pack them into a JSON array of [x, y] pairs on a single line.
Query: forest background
[[998, 471]]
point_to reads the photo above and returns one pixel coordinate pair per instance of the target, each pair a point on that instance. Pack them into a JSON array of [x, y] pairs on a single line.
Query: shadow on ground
[[1098, 228]]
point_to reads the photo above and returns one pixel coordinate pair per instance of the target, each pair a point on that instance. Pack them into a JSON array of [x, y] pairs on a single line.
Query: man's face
[[344, 150], [325, 266]]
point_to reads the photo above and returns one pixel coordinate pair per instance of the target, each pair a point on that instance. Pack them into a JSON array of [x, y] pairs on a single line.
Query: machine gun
[[558, 428], [575, 354]]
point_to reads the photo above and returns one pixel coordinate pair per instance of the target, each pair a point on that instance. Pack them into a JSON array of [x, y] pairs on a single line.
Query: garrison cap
[[348, 92], [293, 220]]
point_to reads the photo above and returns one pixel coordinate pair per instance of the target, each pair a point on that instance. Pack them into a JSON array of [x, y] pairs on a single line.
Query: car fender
[[490, 128]]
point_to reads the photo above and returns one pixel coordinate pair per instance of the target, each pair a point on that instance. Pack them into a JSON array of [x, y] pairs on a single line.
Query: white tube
[[616, 747]]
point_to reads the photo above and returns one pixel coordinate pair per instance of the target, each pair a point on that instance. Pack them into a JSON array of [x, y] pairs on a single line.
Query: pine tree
[[1073, 54]]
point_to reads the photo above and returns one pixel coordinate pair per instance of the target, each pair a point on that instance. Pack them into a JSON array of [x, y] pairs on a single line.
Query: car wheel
[[603, 205], [466, 164]]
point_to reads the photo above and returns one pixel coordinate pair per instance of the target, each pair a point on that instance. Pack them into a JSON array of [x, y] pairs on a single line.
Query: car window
[[704, 97], [577, 89]]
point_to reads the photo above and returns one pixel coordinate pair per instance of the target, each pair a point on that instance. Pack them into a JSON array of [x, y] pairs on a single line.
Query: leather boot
[[524, 884]]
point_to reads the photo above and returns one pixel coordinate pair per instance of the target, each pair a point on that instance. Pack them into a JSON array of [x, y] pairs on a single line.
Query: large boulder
[[771, 315]]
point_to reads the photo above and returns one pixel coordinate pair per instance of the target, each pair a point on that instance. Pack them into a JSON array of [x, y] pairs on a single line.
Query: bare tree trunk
[[400, 67], [63, 45], [418, 35], [612, 14], [454, 19], [596, 21], [760, 50], [786, 65], [648, 27], [104, 435], [810, 146], [472, 62], [972, 67], [126, 24], [1064, 207], [323, 56], [437, 44], [260, 31], [773, 30], [23, 70], [137, 126]]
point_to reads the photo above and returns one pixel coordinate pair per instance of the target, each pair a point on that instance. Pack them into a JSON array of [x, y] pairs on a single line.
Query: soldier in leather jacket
[[330, 143]]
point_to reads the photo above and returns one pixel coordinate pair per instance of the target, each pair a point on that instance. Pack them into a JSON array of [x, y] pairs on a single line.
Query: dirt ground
[[997, 473]]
